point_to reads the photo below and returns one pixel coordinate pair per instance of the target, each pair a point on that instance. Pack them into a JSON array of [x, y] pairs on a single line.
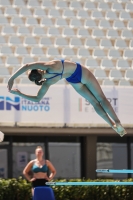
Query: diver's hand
[[10, 84], [15, 91]]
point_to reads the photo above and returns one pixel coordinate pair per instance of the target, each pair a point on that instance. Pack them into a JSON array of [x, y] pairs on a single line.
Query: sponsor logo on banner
[[43, 105], [6, 103], [84, 104], [114, 103], [17, 103]]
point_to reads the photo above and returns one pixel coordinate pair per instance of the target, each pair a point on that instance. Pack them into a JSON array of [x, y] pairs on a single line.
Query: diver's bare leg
[[93, 86], [84, 92]]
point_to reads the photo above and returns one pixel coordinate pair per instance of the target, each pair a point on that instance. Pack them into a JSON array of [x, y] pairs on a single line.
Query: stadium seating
[[47, 4], [91, 63], [100, 74], [2, 62], [104, 24], [2, 40], [83, 33], [68, 14], [30, 41], [39, 13], [129, 75], [107, 64], [115, 75], [120, 44], [91, 43], [75, 42], [102, 6], [33, 4], [119, 25], [108, 82], [75, 5], [124, 83], [122, 64], [60, 42], [61, 23], [12, 61], [90, 24], [61, 5], [38, 31], [19, 4], [25, 12], [10, 12], [27, 60], [23, 30], [98, 34], [5, 3], [89, 6], [105, 44], [45, 41], [130, 25]]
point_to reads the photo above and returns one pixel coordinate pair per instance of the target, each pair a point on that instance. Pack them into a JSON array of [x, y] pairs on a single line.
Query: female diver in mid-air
[[81, 79]]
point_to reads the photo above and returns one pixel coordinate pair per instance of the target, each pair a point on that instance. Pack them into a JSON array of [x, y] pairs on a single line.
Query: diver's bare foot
[[119, 129]]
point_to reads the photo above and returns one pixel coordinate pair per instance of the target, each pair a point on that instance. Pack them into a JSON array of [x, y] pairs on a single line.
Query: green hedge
[[20, 189]]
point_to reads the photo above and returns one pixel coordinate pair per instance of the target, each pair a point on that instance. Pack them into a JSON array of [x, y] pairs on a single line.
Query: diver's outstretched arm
[[44, 88], [29, 66]]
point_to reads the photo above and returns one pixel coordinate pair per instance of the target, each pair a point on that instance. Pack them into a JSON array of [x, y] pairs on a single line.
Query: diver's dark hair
[[36, 77]]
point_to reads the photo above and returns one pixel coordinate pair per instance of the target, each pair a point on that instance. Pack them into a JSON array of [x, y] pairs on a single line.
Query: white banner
[[62, 105], [49, 111], [82, 113]]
